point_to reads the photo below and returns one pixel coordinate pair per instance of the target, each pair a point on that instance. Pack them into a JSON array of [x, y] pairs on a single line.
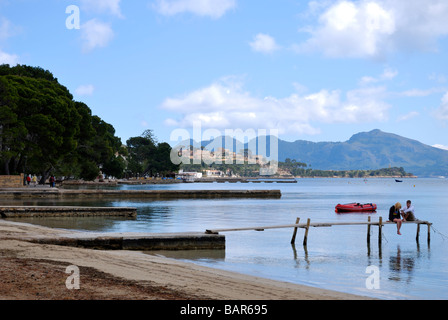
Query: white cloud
[[437, 77], [6, 31], [5, 28], [374, 28], [96, 34], [225, 105], [6, 58], [103, 6], [264, 43], [440, 146], [388, 74], [442, 112], [408, 116], [85, 90], [212, 8], [421, 92]]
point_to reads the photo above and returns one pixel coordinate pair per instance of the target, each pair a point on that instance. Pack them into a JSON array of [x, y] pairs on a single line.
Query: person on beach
[[28, 179], [52, 180], [34, 180], [408, 212], [394, 215]]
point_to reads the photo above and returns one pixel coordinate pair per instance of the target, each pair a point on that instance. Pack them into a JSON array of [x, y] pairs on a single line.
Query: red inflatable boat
[[356, 207]]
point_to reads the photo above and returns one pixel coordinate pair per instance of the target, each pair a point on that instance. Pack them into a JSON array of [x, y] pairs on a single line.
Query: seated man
[[408, 212]]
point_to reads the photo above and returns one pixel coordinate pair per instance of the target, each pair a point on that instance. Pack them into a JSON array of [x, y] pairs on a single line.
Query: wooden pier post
[[293, 240], [380, 227], [307, 226], [418, 232], [305, 239], [368, 231]]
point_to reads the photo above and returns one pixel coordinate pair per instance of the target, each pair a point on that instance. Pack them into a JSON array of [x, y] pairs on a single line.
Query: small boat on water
[[396, 180], [355, 207]]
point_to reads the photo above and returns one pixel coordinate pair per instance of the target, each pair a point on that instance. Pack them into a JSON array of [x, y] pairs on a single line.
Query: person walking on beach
[[394, 216], [34, 180], [52, 181], [408, 212]]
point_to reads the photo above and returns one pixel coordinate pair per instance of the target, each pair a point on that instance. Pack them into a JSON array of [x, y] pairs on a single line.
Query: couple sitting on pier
[[398, 215]]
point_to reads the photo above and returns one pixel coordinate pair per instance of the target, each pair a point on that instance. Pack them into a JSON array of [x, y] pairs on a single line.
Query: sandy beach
[[33, 271]]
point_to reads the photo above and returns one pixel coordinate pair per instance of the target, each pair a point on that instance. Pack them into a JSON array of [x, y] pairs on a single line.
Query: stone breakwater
[[65, 211], [126, 194], [138, 242]]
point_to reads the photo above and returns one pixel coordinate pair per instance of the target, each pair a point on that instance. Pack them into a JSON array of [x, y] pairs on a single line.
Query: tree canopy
[[147, 157], [44, 131]]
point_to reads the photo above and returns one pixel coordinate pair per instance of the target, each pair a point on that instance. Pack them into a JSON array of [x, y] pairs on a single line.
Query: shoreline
[[243, 179], [33, 271]]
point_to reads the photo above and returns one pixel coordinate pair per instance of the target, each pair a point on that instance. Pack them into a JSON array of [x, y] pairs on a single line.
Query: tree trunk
[[6, 167], [45, 176]]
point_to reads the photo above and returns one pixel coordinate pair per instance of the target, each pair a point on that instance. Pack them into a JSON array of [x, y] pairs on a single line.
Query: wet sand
[[31, 271]]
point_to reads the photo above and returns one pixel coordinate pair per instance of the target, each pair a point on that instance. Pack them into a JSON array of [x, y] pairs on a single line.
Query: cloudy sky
[[314, 70]]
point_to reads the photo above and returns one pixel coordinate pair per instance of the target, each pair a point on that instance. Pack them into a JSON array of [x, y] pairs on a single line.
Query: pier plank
[[309, 224], [312, 224]]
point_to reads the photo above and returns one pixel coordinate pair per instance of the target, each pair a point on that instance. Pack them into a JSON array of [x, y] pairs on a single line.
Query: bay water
[[336, 258]]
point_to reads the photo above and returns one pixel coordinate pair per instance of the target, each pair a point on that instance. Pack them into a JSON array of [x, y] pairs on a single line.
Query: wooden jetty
[[309, 224]]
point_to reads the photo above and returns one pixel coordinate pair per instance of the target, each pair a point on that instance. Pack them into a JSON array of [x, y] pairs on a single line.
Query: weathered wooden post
[[380, 227], [305, 239], [293, 240], [429, 232], [368, 231], [418, 232]]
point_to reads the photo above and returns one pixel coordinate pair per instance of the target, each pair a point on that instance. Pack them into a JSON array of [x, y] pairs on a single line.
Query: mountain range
[[369, 151], [363, 151]]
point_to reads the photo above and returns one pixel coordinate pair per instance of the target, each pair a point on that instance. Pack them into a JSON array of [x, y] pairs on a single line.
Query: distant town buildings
[[220, 156]]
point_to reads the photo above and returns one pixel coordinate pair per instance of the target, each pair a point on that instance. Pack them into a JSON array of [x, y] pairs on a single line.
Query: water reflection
[[296, 257], [195, 255], [94, 224], [401, 266]]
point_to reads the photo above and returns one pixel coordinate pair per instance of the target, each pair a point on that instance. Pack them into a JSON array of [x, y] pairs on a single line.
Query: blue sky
[[314, 70]]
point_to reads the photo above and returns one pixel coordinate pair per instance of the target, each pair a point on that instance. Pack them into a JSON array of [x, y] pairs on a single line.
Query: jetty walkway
[[380, 223]]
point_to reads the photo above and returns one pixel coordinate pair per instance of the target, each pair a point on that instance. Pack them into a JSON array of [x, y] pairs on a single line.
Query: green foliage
[[43, 130], [148, 157], [313, 173], [115, 167]]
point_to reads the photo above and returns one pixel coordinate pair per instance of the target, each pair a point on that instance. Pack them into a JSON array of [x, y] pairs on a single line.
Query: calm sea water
[[335, 258]]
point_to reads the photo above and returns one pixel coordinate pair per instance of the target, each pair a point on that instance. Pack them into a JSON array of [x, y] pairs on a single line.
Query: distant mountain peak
[[370, 150]]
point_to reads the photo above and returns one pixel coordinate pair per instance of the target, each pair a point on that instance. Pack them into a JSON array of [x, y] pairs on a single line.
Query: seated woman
[[394, 215]]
